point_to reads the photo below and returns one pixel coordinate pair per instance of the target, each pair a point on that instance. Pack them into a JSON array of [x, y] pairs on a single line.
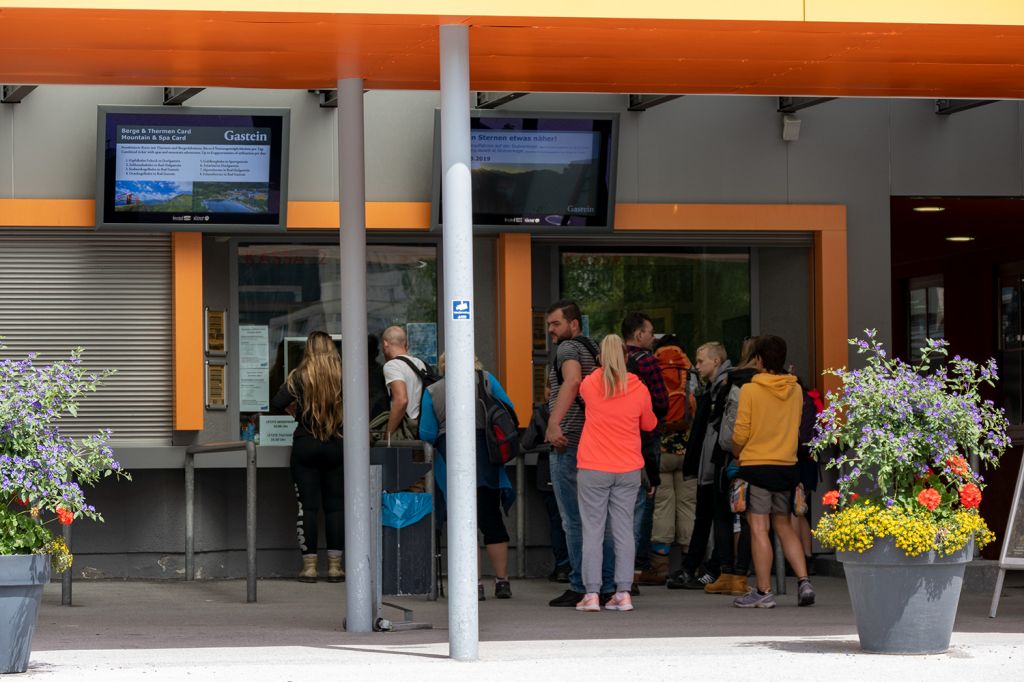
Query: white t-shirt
[[399, 370]]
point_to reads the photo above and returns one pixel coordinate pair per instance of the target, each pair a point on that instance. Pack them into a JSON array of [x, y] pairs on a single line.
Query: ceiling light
[[929, 209], [960, 239]]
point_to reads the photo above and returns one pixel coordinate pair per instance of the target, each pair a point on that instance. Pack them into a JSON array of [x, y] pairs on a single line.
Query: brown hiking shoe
[[656, 574]]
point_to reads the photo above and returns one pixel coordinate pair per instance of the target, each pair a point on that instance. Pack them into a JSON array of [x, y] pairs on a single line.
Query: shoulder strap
[[422, 374]]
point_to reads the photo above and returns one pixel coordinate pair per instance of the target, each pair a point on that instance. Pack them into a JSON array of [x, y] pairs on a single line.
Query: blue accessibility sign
[[461, 310]]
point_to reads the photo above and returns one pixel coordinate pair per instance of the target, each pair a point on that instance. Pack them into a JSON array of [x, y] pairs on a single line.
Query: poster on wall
[[423, 340], [254, 368]]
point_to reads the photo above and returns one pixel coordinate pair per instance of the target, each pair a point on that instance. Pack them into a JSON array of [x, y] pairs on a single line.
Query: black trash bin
[[406, 553]]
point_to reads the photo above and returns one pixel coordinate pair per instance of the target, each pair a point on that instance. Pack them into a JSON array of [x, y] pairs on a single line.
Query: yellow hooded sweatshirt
[[768, 420]]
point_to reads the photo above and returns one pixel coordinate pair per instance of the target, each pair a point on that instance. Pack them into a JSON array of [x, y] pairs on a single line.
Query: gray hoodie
[[706, 470]]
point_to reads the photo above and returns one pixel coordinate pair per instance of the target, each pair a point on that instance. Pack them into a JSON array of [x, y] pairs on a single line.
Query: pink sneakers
[[589, 602], [621, 601]]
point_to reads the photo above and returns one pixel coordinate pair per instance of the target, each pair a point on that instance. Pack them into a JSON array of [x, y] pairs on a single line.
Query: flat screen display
[[207, 169], [547, 172]]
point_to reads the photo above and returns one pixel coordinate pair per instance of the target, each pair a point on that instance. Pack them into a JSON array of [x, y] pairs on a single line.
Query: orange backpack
[[675, 368]]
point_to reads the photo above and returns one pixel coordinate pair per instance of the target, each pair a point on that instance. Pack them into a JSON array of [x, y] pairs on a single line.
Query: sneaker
[[590, 602], [684, 580], [560, 574], [480, 596], [502, 589], [620, 601], [568, 598], [755, 600], [805, 593]]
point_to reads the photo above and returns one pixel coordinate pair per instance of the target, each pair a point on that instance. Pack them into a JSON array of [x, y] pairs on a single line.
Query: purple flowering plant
[[910, 439], [42, 471]]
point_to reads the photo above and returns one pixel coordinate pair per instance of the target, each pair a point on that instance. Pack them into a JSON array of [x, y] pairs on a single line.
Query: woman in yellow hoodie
[[765, 443]]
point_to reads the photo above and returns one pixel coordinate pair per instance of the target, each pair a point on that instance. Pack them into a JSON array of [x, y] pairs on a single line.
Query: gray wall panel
[[842, 158], [399, 144], [711, 149], [54, 139], [974, 152], [783, 297]]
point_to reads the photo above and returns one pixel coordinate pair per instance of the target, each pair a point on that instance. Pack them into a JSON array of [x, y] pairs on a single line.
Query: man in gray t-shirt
[[575, 358]]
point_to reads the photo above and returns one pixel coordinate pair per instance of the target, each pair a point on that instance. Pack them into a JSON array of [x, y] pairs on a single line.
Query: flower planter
[[904, 605], [22, 577]]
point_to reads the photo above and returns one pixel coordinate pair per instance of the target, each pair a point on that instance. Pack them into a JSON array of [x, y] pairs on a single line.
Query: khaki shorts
[[763, 501]]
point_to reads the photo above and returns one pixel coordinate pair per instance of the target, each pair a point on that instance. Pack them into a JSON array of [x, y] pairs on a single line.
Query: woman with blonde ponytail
[[618, 407], [312, 394]]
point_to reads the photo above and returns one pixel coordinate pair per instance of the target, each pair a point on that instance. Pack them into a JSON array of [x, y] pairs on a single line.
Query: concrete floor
[[205, 630]]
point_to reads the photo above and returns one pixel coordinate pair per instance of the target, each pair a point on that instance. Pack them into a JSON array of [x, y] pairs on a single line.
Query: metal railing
[[250, 508]]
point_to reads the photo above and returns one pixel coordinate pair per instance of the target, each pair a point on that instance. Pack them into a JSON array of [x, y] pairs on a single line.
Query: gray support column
[[355, 388], [458, 308]]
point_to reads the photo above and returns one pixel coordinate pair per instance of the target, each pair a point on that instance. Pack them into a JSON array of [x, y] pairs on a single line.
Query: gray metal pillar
[[459, 308], [355, 387]]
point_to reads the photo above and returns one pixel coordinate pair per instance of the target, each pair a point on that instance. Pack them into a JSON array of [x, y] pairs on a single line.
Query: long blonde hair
[[319, 374], [613, 365]]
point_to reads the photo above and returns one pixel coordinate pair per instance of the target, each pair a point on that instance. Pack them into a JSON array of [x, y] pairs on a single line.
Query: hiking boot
[[755, 600], [723, 585], [805, 593], [308, 572], [568, 598], [560, 574], [656, 574], [335, 573], [684, 580], [620, 601], [589, 602], [502, 589]]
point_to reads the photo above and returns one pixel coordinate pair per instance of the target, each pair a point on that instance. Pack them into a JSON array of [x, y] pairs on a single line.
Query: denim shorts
[[764, 501]]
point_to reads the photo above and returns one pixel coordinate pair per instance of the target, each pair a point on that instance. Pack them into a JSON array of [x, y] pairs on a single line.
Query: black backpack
[[501, 425], [428, 376]]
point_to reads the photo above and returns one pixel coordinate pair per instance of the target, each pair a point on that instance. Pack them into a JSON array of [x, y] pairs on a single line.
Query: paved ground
[[205, 630]]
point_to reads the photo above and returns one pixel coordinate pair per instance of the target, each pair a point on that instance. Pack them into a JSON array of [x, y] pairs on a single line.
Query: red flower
[[830, 498], [853, 497], [970, 496], [958, 465], [930, 498], [22, 502], [65, 516]]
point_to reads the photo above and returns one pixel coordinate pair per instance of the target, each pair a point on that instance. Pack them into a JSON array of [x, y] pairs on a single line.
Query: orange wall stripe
[[302, 215], [187, 274], [719, 217], [47, 212], [515, 322], [831, 305]]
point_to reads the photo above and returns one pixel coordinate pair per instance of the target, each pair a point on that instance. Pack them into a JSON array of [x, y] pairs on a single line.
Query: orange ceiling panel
[[297, 50]]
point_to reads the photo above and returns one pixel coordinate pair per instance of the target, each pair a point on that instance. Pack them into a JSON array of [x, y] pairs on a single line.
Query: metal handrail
[[250, 508]]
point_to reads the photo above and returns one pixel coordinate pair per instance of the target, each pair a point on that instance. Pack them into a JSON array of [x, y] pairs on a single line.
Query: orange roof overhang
[[307, 50]]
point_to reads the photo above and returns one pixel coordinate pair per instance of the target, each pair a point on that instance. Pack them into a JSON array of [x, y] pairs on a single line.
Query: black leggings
[[318, 473]]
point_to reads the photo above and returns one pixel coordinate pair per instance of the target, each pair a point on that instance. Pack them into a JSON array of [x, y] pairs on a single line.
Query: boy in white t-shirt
[[404, 385]]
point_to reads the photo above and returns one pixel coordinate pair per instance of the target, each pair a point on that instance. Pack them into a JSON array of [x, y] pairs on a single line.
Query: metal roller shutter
[[110, 294]]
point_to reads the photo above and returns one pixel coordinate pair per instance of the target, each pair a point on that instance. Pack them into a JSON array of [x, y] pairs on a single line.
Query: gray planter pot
[[22, 577], [904, 605]]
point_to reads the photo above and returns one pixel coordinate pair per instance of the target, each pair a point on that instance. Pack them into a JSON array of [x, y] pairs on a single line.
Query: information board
[[190, 168], [1012, 553]]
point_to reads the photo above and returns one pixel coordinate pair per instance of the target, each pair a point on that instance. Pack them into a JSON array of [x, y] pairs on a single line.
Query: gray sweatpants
[[606, 498]]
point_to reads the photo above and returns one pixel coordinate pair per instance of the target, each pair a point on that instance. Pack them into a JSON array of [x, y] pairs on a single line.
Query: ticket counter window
[[700, 295], [287, 291]]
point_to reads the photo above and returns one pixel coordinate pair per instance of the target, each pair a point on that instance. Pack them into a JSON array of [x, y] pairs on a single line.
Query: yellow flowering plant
[[906, 437]]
